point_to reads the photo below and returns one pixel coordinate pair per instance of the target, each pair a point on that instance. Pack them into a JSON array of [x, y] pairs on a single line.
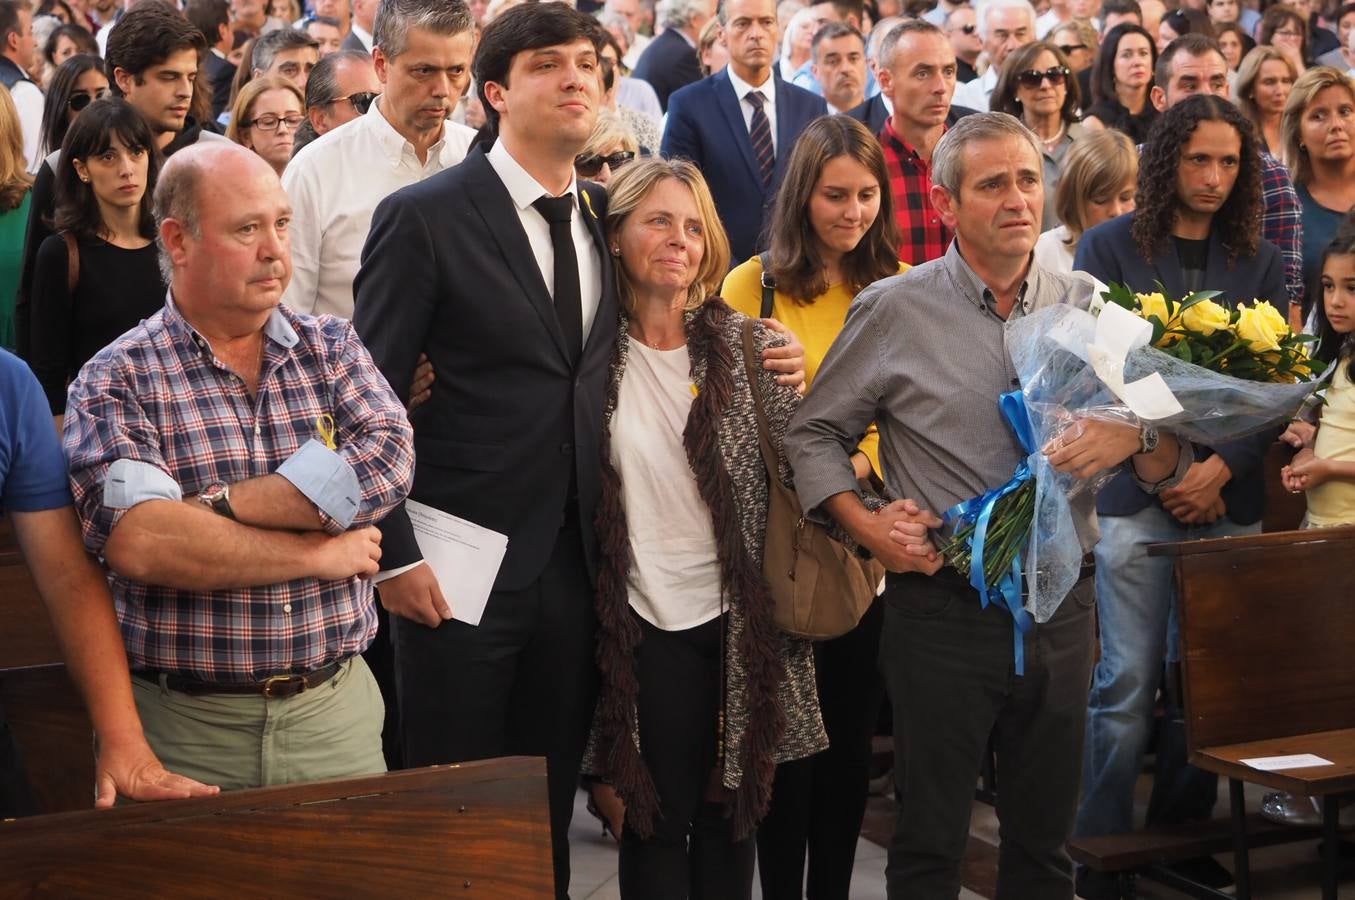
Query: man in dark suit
[[740, 124], [213, 19], [517, 315], [670, 61], [1197, 226], [360, 31]]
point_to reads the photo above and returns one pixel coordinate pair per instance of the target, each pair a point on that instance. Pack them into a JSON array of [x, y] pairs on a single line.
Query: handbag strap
[[768, 284], [750, 360]]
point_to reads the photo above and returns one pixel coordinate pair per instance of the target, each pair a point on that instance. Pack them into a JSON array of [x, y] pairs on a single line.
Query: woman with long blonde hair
[[15, 196]]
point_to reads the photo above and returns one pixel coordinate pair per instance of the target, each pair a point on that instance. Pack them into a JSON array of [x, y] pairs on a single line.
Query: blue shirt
[[32, 467], [1319, 227]]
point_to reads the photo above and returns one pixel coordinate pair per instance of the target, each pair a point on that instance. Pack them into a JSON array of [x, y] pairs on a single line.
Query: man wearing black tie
[[496, 270]]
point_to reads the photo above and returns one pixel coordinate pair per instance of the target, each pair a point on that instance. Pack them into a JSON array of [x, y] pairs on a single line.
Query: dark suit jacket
[[353, 42], [220, 72], [705, 125], [873, 114], [668, 63], [1108, 253], [447, 270]]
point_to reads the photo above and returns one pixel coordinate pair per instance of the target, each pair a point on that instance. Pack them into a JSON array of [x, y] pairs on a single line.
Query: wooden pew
[[44, 710], [477, 829], [1265, 639]]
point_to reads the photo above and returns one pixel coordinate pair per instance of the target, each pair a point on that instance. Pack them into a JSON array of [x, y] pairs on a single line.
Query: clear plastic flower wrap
[[1070, 370]]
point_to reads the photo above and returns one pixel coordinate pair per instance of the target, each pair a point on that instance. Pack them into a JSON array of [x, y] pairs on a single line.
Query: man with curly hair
[[1197, 226]]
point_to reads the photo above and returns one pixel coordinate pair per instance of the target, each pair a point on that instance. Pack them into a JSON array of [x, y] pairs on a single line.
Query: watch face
[[214, 491]]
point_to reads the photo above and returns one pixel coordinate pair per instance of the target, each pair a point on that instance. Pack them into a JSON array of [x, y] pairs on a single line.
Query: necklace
[[653, 345], [1051, 143]]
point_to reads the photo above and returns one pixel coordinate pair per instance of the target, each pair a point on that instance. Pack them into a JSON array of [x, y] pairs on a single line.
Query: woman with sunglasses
[[831, 233], [265, 118], [77, 83], [1121, 82], [1036, 87], [99, 274], [609, 147], [1077, 40]]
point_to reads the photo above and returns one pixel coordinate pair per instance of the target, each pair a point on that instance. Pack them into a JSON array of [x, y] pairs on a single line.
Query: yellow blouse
[[816, 324], [1333, 502]]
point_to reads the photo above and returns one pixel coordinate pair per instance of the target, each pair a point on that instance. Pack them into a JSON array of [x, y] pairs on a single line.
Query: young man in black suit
[[213, 19], [518, 318]]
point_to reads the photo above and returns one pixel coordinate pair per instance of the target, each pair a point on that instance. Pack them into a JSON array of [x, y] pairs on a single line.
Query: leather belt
[[273, 687]]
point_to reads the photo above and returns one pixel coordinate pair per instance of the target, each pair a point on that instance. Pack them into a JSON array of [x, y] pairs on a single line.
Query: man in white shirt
[[1004, 26], [1061, 11], [336, 182], [16, 56], [364, 21]]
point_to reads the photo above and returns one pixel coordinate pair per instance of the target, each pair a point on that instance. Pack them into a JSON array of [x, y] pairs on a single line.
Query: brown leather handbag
[[819, 588]]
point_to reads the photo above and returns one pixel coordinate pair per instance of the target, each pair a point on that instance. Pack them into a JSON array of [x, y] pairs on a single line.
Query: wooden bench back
[[1266, 634], [476, 830]]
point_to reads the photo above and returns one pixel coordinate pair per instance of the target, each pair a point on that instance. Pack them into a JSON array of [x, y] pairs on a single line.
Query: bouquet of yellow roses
[[1192, 366]]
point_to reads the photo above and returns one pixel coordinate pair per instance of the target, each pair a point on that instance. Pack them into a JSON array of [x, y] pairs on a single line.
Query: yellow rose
[[1259, 331], [1272, 315], [1155, 304], [1206, 317]]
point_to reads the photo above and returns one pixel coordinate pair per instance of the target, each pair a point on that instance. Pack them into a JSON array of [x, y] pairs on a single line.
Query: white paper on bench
[[1295, 761], [464, 557]]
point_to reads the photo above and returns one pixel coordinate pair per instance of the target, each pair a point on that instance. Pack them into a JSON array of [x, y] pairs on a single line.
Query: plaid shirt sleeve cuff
[[327, 480]]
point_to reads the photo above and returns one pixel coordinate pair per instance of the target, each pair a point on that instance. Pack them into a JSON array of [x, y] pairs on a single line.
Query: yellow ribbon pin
[[587, 202], [325, 430]]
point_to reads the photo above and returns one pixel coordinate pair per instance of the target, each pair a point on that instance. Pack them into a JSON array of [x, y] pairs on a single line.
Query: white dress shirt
[[768, 88], [335, 184], [977, 93], [28, 102], [524, 190]]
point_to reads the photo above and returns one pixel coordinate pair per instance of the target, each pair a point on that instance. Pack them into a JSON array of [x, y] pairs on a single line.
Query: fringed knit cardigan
[[771, 705]]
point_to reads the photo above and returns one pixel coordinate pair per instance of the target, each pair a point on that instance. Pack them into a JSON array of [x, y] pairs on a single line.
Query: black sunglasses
[[588, 166], [1031, 78], [969, 29], [80, 99], [361, 100], [1068, 49]]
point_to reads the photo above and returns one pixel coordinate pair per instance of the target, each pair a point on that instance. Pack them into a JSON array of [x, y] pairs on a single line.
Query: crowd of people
[[278, 276]]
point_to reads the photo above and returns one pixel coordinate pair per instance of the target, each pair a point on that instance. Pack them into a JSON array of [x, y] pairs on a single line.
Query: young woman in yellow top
[[831, 233]]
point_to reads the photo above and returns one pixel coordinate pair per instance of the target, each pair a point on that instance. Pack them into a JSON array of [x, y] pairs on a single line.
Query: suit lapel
[[1216, 272], [601, 331], [728, 102], [492, 201], [785, 128], [1167, 266]]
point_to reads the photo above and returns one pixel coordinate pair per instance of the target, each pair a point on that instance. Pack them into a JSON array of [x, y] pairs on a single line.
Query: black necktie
[[559, 211], [760, 134]]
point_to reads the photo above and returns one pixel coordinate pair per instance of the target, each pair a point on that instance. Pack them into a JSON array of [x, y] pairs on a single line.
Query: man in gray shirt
[[923, 355]]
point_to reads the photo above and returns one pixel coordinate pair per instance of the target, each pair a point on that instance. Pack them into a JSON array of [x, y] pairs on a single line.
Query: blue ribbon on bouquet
[[979, 510]]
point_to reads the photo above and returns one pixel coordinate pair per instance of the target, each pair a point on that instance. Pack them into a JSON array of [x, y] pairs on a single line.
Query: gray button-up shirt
[[923, 355]]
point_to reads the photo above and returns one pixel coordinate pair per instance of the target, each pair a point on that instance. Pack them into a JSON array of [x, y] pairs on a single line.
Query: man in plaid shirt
[[228, 458], [917, 74]]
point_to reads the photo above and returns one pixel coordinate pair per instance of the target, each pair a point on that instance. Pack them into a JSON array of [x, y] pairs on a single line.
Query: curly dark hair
[[1238, 221]]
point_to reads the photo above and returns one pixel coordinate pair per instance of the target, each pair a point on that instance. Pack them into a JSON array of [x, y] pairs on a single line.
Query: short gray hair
[[878, 35], [176, 197], [394, 18], [889, 46], [948, 157], [987, 6], [611, 19], [679, 13], [271, 43]]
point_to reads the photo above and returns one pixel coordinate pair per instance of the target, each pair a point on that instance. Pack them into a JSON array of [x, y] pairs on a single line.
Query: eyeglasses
[[80, 99], [1069, 49], [1032, 78], [270, 122], [590, 165], [361, 100], [1285, 32], [969, 29]]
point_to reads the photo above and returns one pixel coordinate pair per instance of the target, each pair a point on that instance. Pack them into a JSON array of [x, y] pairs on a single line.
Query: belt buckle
[[273, 684]]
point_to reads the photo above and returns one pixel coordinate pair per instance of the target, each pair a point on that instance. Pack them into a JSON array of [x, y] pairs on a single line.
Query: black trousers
[[522, 682], [950, 671], [818, 803], [692, 853]]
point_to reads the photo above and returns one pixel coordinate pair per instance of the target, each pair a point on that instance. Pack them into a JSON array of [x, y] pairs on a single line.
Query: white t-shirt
[[1052, 254], [674, 580]]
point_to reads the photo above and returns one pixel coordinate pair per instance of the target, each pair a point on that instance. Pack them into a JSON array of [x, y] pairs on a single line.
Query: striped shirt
[[923, 236], [156, 415]]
